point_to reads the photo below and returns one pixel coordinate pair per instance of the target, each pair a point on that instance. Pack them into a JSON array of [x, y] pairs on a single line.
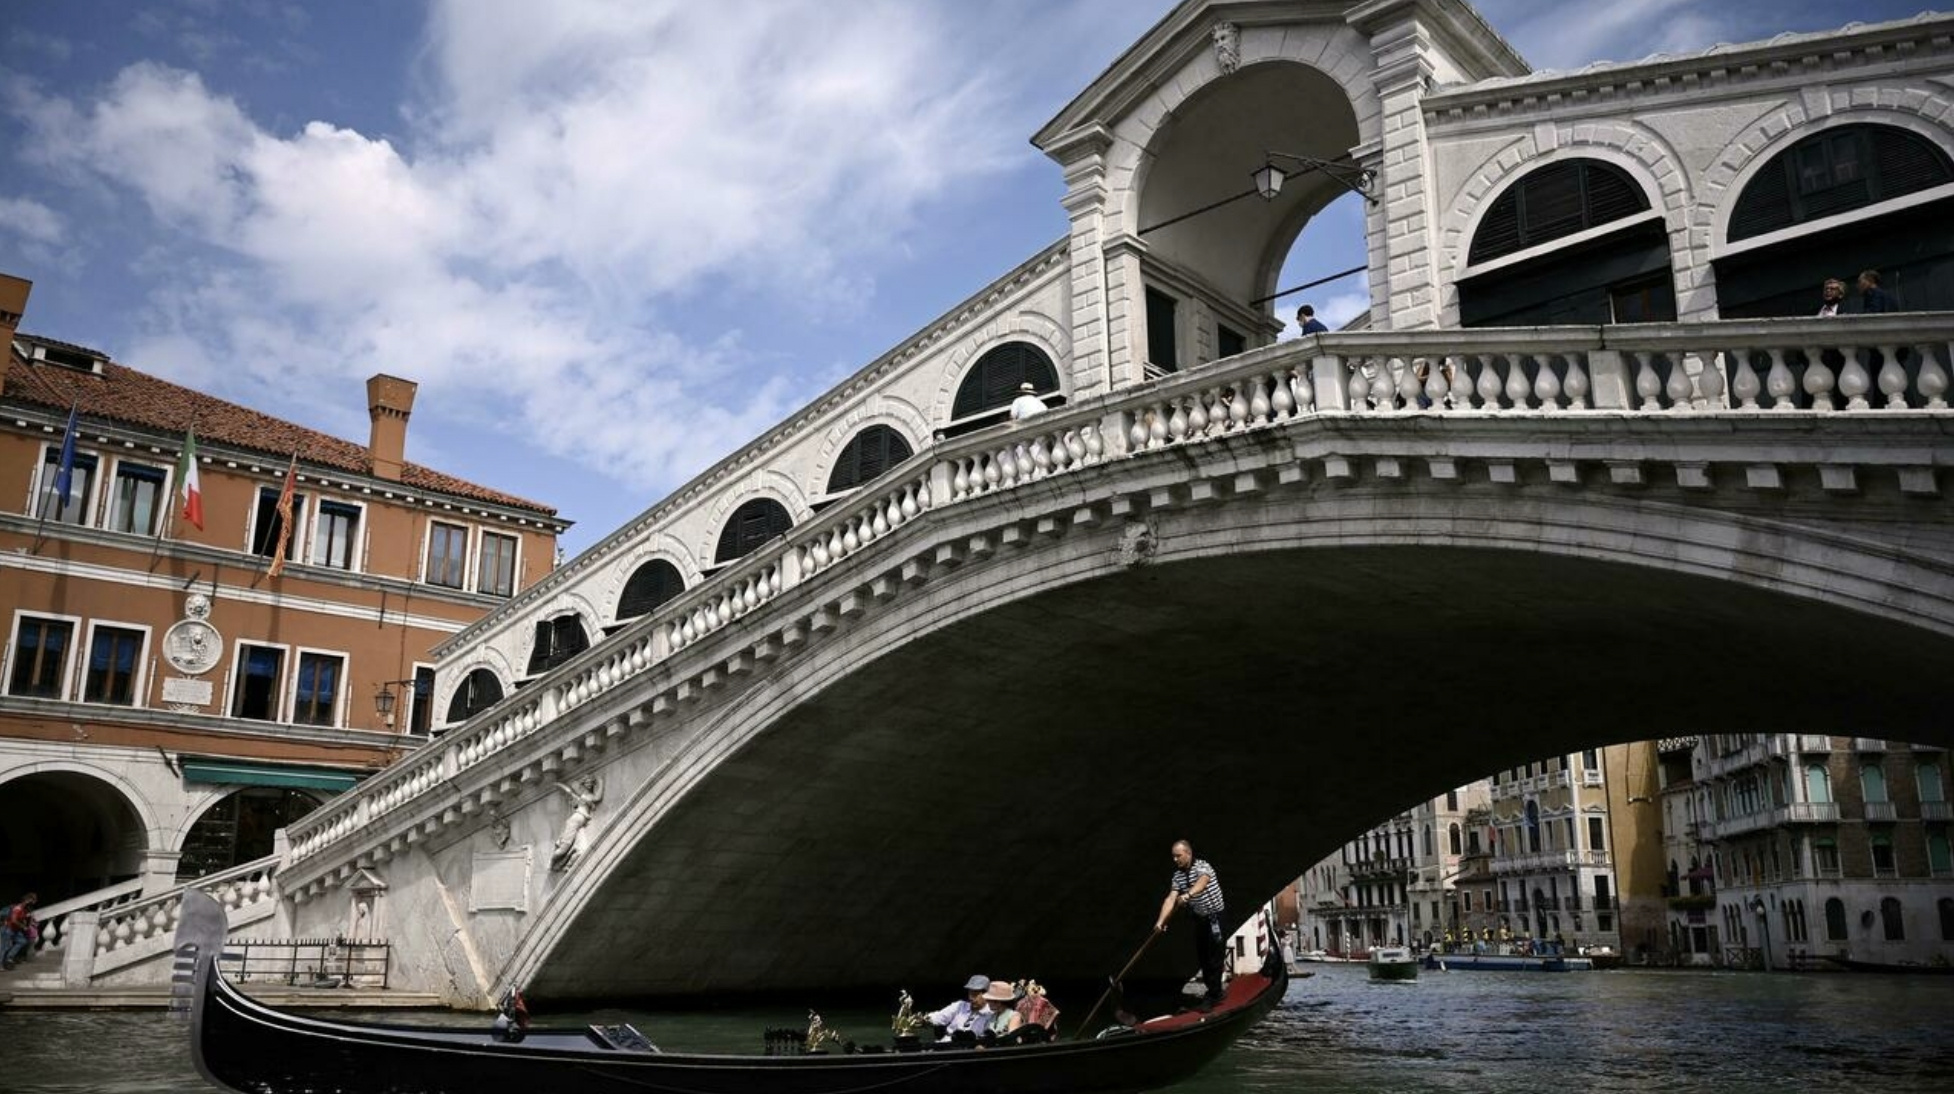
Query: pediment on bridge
[[1188, 34]]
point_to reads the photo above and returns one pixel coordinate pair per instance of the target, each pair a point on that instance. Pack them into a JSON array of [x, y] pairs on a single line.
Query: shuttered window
[[871, 452], [557, 641], [1835, 172], [993, 381], [650, 586], [751, 526], [1555, 201]]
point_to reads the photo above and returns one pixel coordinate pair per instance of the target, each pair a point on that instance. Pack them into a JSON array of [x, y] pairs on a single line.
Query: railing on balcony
[[1737, 368], [1811, 812], [1881, 811], [1936, 811], [1814, 743]]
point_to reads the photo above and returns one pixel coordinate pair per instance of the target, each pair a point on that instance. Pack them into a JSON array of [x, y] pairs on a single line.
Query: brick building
[[166, 701]]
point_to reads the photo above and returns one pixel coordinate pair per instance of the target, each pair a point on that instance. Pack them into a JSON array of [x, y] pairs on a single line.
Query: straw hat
[[1000, 991]]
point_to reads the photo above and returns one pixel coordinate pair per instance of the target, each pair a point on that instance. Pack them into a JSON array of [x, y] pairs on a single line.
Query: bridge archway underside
[[983, 770]]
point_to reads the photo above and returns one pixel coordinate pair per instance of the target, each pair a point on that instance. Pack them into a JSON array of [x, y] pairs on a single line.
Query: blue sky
[[611, 240]]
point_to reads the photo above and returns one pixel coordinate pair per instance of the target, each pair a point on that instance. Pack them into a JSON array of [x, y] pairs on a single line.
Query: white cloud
[[1570, 33], [31, 221], [578, 175]]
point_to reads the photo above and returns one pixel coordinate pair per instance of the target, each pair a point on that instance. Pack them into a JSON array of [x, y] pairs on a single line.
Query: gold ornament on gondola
[[818, 1033], [907, 1022]]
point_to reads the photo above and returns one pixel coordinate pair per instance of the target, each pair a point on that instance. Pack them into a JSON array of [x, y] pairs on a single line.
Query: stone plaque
[[192, 645], [182, 689], [499, 881]]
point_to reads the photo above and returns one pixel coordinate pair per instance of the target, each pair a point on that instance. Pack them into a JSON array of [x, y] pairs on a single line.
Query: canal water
[[1337, 1032]]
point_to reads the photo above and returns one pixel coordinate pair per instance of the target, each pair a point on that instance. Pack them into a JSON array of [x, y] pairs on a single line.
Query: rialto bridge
[[902, 688]]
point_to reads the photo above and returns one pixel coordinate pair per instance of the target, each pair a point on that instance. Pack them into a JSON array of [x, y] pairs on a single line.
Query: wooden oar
[[1114, 983]]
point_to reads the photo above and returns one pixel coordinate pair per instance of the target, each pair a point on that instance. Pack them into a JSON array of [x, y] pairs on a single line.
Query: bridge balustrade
[[1658, 370]]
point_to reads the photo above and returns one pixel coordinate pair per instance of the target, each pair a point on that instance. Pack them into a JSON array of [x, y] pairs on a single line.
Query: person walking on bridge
[[1196, 887]]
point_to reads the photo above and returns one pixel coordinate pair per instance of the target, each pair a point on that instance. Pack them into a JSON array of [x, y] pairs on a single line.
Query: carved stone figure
[[192, 645], [574, 840], [1136, 544], [1227, 47]]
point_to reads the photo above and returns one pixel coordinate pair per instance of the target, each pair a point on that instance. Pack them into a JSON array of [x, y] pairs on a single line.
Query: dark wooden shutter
[[1553, 202], [870, 453], [993, 381], [1835, 172], [650, 586], [479, 691], [751, 526], [1162, 343]]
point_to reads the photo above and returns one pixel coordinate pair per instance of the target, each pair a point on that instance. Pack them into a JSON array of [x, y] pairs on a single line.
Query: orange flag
[[285, 497]]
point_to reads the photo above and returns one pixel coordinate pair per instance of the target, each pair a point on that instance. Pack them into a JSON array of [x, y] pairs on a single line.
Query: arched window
[[871, 452], [650, 586], [1454, 834], [750, 527], [993, 381], [1429, 851], [1557, 200], [1836, 171], [1892, 919], [557, 641], [1818, 783], [479, 691], [1835, 920]]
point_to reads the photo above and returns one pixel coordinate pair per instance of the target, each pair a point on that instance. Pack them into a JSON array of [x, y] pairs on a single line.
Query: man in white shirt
[[1027, 404], [1834, 295], [966, 1015]]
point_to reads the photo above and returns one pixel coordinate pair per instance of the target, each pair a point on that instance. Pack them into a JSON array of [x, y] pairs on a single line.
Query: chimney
[[389, 400], [13, 304]]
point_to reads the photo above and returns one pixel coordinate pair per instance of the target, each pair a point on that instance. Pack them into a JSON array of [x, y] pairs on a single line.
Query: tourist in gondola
[[966, 1015], [1001, 1010], [1196, 887]]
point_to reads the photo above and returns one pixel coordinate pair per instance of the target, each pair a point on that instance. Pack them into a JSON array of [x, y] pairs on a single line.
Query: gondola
[[243, 1045]]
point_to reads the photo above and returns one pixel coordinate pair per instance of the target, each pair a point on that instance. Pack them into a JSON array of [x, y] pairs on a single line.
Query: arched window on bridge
[[650, 586], [1892, 918], [866, 456], [557, 641], [1835, 920], [750, 527], [988, 388], [479, 691], [1824, 207], [1520, 274], [1454, 835]]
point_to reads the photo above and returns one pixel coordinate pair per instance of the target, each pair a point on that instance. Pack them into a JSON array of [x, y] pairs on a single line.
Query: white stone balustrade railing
[[1650, 368], [54, 917], [154, 919]]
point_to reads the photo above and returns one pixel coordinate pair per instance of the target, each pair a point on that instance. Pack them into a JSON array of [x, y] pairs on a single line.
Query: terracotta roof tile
[[121, 394]]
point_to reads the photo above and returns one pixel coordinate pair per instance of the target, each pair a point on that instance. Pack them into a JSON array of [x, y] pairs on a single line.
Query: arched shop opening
[[63, 833]]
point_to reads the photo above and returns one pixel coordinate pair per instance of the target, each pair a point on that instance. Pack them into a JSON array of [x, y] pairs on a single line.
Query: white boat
[[1393, 963]]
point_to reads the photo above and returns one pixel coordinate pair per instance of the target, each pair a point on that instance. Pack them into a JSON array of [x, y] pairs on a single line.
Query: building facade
[[1798, 848], [167, 700], [1396, 884]]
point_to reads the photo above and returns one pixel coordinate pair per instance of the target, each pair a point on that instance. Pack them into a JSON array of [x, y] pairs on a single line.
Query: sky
[[612, 240]]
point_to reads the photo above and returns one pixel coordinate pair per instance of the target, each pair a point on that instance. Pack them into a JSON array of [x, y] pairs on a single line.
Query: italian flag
[[192, 485]]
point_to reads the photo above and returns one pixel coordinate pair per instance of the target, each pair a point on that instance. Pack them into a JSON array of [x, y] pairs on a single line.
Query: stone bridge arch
[[1261, 676]]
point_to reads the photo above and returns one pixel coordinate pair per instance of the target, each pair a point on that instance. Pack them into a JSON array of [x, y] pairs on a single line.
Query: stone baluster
[[1197, 417], [1177, 422], [1438, 388], [1854, 381], [1546, 385], [1384, 387], [1932, 381], [1744, 386], [1240, 407], [1518, 391], [1095, 445], [1262, 405], [1491, 385], [1679, 389], [1286, 395], [1710, 380], [1892, 378], [1818, 379], [1157, 426], [1648, 387], [1358, 387], [1575, 384], [1779, 381]]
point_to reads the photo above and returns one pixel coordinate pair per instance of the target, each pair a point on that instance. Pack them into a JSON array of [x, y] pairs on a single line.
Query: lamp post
[[1764, 924], [384, 698]]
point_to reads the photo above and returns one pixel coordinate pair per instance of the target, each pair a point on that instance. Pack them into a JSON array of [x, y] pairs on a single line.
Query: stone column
[[1083, 155], [1403, 278], [159, 871]]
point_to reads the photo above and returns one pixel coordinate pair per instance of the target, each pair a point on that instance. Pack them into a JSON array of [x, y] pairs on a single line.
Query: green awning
[[247, 774]]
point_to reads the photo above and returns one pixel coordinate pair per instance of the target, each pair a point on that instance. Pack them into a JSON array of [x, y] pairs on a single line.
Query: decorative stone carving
[[574, 840], [1137, 544], [192, 645], [1228, 47], [498, 827]]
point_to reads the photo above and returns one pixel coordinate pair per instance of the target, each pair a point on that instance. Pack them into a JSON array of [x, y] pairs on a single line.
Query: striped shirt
[[1208, 901]]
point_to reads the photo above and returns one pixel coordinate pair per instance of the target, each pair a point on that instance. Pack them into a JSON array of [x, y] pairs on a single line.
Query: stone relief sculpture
[[574, 840], [1227, 47]]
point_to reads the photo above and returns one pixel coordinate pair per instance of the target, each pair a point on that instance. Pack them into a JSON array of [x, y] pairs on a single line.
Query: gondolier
[[1196, 887]]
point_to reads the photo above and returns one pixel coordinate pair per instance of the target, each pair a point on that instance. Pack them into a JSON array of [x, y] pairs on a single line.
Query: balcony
[[1811, 812], [1936, 811], [1809, 743], [1604, 903], [1881, 811], [1868, 744]]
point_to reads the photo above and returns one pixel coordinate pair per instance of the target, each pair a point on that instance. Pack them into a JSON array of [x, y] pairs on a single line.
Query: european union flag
[[64, 479]]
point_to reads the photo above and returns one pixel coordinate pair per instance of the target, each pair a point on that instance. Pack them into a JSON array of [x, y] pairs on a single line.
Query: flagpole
[[66, 470]]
